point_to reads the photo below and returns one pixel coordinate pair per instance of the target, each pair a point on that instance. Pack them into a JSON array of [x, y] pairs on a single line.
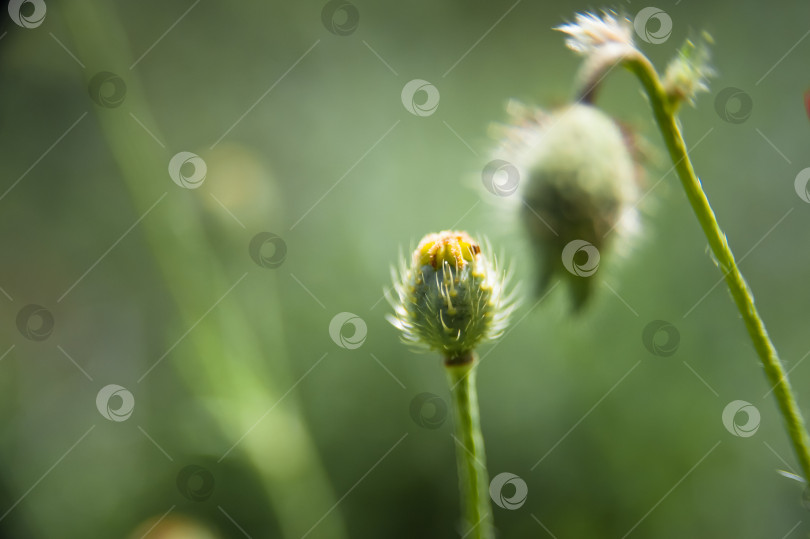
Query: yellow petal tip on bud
[[452, 247]]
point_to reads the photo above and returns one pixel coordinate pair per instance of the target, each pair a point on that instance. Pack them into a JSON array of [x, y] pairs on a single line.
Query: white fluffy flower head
[[589, 33]]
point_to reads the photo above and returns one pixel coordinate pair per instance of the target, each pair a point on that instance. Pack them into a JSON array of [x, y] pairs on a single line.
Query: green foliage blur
[[304, 134]]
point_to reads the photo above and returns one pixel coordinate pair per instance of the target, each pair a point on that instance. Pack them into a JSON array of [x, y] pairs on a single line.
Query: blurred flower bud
[[687, 74], [579, 188], [451, 297]]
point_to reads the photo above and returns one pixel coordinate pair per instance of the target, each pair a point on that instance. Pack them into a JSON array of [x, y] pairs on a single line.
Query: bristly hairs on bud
[[451, 296]]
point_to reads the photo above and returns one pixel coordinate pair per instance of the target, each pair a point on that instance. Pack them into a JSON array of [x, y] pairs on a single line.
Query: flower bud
[[687, 74], [450, 298], [579, 188]]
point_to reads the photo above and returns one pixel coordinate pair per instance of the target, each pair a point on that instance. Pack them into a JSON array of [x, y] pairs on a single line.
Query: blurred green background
[[249, 419]]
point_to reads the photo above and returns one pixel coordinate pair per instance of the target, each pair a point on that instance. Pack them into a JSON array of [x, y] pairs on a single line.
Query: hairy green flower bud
[[687, 74], [450, 298], [579, 187]]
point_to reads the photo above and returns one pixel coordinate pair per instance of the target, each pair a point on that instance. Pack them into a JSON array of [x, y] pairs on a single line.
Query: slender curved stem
[[664, 110], [472, 470]]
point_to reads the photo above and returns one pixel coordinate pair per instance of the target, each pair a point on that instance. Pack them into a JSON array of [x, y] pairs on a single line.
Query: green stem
[[472, 470], [664, 109]]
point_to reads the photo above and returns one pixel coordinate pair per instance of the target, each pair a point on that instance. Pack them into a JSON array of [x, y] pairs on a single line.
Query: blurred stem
[[665, 109], [472, 469], [229, 367]]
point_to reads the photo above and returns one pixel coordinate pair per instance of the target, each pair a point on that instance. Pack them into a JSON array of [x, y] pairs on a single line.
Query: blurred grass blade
[[228, 367]]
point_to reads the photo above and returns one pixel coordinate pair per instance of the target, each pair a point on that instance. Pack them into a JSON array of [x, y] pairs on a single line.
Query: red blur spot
[[807, 102]]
